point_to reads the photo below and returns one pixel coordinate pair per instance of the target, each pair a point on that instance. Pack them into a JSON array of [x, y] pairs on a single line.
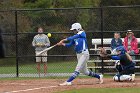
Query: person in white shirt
[[40, 42]]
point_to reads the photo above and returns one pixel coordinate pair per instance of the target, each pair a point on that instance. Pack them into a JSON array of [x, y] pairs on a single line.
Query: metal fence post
[[102, 30], [16, 30]]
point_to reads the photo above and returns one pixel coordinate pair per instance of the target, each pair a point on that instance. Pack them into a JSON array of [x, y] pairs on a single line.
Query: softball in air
[[49, 35]]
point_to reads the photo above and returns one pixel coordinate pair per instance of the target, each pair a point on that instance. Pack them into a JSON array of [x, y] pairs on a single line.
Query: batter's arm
[[73, 37], [69, 44], [66, 44]]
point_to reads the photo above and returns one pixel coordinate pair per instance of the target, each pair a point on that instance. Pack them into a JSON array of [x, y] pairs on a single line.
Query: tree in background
[[55, 20], [119, 2], [120, 19], [61, 19]]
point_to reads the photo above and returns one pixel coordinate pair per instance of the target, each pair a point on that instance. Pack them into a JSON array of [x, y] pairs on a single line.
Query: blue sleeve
[[82, 34], [73, 37], [70, 43], [115, 57]]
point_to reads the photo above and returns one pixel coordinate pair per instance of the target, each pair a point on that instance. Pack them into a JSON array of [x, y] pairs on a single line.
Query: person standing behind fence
[[131, 43], [116, 41], [80, 42], [40, 42]]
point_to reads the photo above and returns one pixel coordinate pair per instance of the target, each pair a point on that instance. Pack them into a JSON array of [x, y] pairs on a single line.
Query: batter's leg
[[77, 69], [92, 74], [86, 71]]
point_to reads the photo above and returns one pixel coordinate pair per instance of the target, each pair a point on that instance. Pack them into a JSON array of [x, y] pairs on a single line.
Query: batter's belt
[[85, 50]]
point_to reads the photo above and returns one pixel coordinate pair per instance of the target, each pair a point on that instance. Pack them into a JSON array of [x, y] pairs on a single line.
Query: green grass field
[[8, 66], [104, 90], [53, 67]]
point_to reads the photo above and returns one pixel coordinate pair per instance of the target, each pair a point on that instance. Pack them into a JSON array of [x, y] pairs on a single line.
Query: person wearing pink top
[[131, 43]]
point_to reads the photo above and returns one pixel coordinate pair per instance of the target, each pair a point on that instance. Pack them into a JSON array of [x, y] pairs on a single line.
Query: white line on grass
[[31, 89]]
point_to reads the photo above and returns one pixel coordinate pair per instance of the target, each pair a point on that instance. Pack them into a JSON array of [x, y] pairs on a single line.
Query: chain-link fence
[[20, 26]]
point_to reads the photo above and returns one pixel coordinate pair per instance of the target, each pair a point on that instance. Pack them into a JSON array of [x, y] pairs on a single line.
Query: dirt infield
[[51, 85]]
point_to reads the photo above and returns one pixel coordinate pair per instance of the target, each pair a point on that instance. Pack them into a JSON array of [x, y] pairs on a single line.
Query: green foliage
[[11, 4], [62, 3], [39, 4], [120, 19], [76, 3], [57, 20], [119, 2], [61, 20]]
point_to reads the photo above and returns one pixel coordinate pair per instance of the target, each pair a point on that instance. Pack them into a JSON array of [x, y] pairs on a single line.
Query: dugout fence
[[19, 26]]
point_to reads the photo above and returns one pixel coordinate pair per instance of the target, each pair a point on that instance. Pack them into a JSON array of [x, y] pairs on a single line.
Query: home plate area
[[52, 85]]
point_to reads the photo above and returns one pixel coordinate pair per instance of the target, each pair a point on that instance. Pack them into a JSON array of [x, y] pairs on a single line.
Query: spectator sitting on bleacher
[[116, 41], [131, 43]]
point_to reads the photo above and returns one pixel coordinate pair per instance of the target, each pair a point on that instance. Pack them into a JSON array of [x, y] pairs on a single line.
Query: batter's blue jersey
[[79, 40]]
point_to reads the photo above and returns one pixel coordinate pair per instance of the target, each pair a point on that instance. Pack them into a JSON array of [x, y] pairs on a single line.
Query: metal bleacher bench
[[106, 41]]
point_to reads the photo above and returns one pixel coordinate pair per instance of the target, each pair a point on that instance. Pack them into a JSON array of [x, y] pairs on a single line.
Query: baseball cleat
[[132, 77], [101, 79], [66, 84]]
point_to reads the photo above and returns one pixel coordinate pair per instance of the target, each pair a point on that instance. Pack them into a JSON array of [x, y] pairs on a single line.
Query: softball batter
[[80, 42]]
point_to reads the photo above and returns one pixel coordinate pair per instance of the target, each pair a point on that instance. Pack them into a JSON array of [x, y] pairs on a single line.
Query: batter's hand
[[60, 43], [63, 40]]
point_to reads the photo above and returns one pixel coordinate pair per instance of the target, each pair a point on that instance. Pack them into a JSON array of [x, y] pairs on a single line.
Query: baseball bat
[[46, 49]]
